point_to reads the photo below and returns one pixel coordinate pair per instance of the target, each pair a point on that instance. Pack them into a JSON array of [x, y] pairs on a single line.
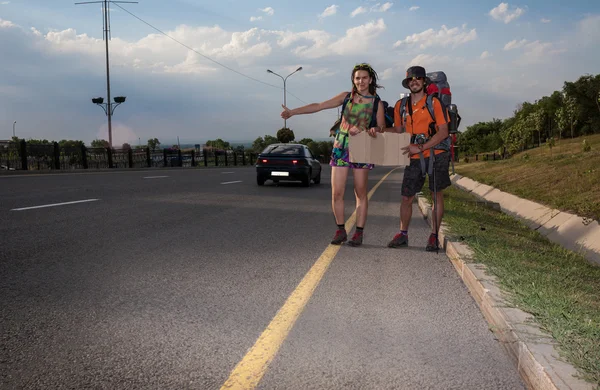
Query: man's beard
[[417, 91]]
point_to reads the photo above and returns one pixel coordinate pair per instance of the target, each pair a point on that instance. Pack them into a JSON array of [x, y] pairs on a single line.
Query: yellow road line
[[250, 370]]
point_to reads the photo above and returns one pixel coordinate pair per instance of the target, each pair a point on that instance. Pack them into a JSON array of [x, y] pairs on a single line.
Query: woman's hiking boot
[[340, 236], [357, 239]]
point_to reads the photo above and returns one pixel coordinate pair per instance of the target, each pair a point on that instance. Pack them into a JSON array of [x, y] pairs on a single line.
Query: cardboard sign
[[385, 149]]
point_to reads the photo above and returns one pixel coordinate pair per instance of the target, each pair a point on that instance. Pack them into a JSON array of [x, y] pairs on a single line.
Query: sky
[[207, 77]]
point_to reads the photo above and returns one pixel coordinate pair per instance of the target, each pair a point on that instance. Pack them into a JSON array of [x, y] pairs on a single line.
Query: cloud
[[321, 73], [382, 8], [358, 11], [357, 38], [539, 52], [534, 52], [428, 61], [544, 20], [329, 11], [502, 13], [268, 10], [5, 3], [588, 30], [319, 40], [6, 23], [515, 44], [387, 74], [353, 42], [444, 37], [414, 8], [485, 55], [255, 18]]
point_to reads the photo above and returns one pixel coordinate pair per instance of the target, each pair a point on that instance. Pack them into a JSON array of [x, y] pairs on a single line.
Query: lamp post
[[14, 123], [106, 36], [109, 110], [284, 80]]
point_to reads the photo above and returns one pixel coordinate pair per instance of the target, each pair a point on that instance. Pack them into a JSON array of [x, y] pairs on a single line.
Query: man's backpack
[[389, 117]]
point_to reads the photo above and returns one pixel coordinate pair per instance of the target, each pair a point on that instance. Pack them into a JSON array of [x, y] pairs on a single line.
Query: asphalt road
[[165, 279]]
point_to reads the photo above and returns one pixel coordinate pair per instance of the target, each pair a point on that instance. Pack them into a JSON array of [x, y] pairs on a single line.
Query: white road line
[[154, 177], [231, 182], [55, 204]]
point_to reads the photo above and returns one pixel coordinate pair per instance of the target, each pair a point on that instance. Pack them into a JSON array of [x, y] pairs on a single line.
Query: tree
[[218, 144], [572, 112], [153, 143], [270, 140], [562, 120], [258, 145], [305, 141], [285, 135], [70, 144], [126, 146], [100, 143], [537, 120]]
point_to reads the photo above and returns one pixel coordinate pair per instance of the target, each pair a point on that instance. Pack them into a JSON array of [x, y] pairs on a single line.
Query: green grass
[[565, 178], [559, 287]]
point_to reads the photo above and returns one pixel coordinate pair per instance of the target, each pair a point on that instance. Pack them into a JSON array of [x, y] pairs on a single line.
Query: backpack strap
[[346, 100], [375, 109]]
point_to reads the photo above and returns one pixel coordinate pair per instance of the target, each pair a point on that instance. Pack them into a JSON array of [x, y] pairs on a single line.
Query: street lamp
[[109, 110], [284, 80], [14, 123]]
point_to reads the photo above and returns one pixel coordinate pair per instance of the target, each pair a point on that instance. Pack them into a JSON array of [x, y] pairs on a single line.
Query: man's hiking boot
[[357, 239], [340, 236], [398, 241], [433, 245]]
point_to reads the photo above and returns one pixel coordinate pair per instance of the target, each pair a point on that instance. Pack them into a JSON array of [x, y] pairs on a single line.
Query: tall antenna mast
[[106, 35]]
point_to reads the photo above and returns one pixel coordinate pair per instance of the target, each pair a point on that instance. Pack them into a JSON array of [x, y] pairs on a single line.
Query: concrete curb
[[532, 351], [575, 233]]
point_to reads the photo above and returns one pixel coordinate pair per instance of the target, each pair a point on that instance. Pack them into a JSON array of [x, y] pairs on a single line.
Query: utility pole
[[106, 36]]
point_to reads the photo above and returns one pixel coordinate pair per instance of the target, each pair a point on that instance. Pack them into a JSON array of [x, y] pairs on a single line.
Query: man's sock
[[404, 232], [359, 229], [341, 227]]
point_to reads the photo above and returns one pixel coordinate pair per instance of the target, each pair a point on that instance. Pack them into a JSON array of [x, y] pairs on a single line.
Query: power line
[[208, 58]]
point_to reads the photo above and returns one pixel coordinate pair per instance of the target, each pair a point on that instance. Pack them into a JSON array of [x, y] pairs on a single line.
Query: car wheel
[[260, 180], [306, 180], [317, 180]]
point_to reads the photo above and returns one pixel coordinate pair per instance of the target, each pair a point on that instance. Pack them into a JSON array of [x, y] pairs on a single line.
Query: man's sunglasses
[[416, 78]]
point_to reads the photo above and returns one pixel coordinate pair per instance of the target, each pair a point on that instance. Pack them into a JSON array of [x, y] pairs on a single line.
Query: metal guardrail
[[26, 156]]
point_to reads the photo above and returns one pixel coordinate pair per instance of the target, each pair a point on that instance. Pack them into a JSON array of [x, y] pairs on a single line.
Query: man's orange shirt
[[420, 120]]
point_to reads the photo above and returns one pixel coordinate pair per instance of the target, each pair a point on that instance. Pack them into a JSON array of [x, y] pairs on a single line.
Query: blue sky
[[495, 54]]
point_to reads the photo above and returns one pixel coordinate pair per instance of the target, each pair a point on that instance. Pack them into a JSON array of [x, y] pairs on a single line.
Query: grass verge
[[559, 287], [565, 178]]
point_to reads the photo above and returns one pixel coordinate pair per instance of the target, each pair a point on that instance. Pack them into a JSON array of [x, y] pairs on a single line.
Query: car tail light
[[299, 162]]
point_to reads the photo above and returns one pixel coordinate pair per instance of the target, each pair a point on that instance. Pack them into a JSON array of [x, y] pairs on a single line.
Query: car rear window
[[284, 149]]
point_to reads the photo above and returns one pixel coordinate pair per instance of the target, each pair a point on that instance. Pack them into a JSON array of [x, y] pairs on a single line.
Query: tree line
[[572, 112]]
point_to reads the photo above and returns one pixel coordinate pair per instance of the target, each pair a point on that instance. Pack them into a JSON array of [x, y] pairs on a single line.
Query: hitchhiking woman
[[356, 117]]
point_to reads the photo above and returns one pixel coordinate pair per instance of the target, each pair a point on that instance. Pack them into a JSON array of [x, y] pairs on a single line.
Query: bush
[[586, 147], [525, 157]]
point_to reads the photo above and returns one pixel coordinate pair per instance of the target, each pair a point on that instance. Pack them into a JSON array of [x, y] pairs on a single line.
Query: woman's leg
[[361, 177], [339, 175]]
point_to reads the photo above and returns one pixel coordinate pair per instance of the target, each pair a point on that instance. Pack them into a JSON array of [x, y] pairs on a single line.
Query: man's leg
[[406, 212], [411, 184], [441, 168], [438, 209]]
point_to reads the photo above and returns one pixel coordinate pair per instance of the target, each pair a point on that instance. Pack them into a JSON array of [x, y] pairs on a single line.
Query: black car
[[287, 162]]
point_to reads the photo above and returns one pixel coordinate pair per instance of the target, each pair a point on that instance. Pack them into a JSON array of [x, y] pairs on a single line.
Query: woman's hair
[[373, 86]]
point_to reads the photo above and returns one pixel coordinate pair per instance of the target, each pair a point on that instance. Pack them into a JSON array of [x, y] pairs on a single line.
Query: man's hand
[[411, 149]]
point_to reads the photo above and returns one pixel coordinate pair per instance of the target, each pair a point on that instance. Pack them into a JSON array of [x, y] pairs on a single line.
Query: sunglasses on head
[[363, 65]]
